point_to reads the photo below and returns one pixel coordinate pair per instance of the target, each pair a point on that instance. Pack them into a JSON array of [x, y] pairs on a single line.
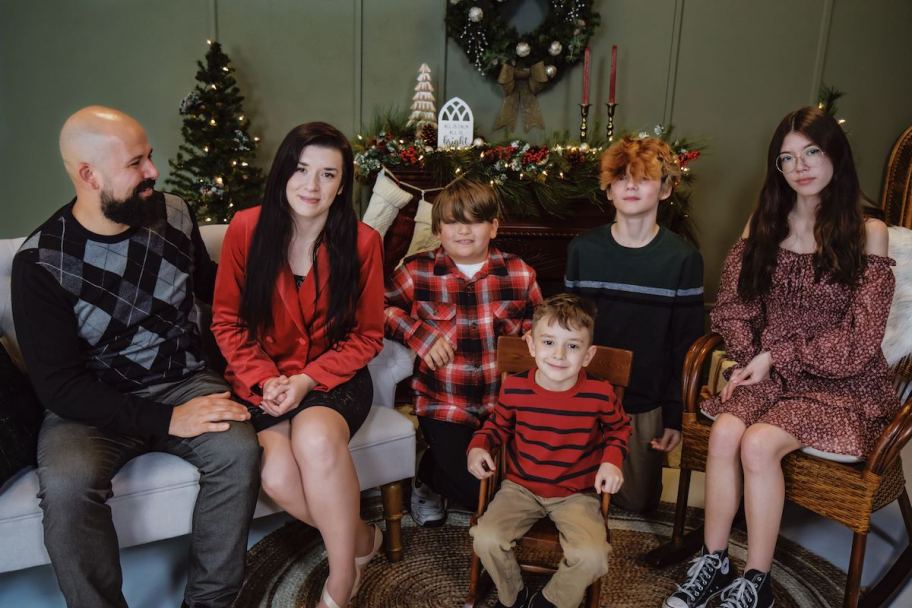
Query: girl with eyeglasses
[[802, 305]]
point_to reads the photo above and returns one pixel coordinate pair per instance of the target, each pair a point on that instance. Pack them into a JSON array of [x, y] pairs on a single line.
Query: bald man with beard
[[103, 302]]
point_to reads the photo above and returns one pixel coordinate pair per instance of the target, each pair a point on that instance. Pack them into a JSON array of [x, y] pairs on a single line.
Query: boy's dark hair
[[570, 312], [465, 201]]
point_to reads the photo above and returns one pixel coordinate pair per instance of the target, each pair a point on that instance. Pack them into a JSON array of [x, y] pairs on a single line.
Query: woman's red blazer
[[296, 342]]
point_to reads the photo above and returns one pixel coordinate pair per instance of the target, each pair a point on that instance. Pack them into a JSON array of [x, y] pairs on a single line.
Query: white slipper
[[361, 562], [327, 599]]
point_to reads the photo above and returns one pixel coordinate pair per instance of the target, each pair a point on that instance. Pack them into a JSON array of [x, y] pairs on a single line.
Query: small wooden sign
[[455, 124]]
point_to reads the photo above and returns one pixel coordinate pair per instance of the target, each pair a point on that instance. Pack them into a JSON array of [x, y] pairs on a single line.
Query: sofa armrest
[[394, 363]]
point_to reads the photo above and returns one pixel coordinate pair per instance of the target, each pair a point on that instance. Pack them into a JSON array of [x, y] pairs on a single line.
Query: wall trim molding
[[823, 42], [213, 20], [357, 52], [674, 52]]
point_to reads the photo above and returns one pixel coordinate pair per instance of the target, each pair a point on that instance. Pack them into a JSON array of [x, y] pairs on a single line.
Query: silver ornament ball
[[523, 49], [555, 48], [551, 71], [478, 142], [475, 14]]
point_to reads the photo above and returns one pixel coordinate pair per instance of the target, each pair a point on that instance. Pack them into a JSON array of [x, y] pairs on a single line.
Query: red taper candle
[[586, 77], [614, 66]]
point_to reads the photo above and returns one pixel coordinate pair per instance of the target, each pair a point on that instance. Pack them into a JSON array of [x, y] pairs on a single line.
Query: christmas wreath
[[523, 64]]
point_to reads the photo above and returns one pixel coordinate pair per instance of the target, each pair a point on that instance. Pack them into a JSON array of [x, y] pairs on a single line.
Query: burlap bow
[[520, 86]]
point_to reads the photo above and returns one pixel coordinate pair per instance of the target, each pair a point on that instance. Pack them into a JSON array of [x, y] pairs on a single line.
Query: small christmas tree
[[424, 110], [213, 170]]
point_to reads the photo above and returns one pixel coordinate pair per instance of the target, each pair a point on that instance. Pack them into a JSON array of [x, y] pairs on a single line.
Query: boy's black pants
[[444, 464]]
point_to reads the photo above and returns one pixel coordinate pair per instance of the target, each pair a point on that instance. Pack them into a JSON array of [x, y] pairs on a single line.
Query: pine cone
[[428, 134]]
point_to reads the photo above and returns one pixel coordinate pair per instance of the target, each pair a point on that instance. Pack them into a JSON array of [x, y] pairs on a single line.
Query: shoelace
[[741, 593], [699, 572]]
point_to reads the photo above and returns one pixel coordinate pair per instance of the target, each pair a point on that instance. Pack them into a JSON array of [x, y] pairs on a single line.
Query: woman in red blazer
[[298, 313]]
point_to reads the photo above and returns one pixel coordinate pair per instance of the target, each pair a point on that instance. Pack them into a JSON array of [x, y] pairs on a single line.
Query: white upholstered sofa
[[154, 494]]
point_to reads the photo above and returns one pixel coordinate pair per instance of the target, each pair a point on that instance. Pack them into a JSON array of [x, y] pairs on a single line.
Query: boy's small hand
[[440, 354], [608, 479], [478, 459], [667, 442]]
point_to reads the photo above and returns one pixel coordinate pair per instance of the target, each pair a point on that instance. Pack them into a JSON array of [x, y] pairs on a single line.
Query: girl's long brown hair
[[839, 227]]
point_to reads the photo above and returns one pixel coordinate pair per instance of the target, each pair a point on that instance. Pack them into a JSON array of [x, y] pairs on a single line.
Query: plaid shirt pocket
[[440, 316]]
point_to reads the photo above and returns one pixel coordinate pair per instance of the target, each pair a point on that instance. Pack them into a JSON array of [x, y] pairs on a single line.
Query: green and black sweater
[[650, 301]]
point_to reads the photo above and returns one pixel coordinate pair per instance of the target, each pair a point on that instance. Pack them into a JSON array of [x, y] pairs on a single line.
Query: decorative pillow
[[423, 238], [20, 419], [897, 342], [398, 237], [387, 198]]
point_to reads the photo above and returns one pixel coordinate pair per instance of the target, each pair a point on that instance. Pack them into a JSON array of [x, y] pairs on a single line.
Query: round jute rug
[[287, 568]]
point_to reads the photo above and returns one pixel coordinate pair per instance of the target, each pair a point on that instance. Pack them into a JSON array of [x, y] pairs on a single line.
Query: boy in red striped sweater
[[566, 434]]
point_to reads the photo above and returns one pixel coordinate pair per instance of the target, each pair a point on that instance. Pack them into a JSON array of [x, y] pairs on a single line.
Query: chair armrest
[[490, 485], [891, 442], [696, 357]]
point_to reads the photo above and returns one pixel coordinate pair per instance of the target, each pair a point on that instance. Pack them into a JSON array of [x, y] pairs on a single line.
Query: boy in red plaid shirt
[[449, 305]]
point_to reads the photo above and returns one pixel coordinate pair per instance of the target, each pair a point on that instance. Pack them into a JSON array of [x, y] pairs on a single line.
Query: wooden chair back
[[612, 364], [896, 200]]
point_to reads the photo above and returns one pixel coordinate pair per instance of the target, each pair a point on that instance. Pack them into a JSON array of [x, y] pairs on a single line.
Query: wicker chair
[[845, 493], [513, 356], [896, 200]]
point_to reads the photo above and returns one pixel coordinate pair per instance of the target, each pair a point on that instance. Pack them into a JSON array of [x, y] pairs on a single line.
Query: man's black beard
[[134, 211]]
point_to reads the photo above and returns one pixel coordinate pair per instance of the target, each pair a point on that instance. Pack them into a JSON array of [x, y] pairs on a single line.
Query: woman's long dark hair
[[839, 227], [275, 228]]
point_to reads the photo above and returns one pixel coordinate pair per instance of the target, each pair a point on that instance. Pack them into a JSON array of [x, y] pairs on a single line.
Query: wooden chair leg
[[392, 513], [856, 564], [677, 533], [479, 583], [681, 546], [879, 594], [594, 593], [905, 507]]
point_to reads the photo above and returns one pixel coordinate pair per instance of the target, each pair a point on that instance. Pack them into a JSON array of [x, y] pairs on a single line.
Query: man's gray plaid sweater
[[132, 294]]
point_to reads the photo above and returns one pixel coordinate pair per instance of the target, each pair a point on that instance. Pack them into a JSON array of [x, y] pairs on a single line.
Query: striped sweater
[[559, 439], [650, 301]]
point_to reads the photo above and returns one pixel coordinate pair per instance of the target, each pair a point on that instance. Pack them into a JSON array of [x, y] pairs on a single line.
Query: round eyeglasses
[[811, 157]]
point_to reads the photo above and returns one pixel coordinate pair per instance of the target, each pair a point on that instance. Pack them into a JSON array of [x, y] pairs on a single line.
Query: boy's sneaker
[[708, 575], [753, 590], [427, 505], [522, 600]]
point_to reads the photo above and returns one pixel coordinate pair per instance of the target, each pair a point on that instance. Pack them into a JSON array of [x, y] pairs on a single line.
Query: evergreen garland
[[214, 168], [553, 179]]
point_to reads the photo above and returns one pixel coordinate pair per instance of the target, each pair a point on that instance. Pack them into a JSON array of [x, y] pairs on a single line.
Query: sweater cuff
[[671, 416], [784, 354], [156, 418], [613, 455], [479, 440]]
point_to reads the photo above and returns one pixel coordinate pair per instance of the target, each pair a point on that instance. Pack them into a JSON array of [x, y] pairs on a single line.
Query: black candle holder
[[610, 129], [584, 121]]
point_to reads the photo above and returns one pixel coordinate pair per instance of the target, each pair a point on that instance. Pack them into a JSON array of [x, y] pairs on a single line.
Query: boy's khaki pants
[[582, 536]]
